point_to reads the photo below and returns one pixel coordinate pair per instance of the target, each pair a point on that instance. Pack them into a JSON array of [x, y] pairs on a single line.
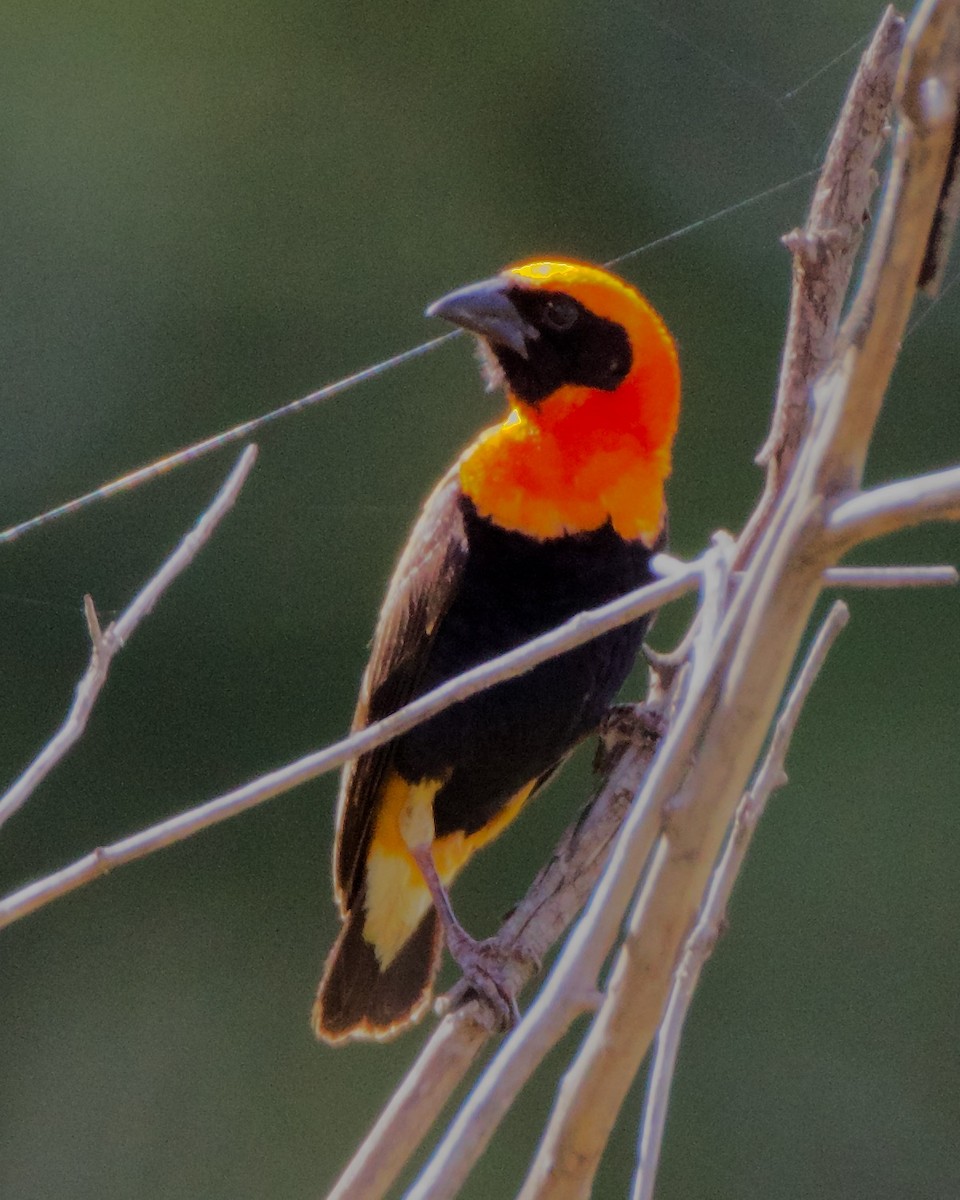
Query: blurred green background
[[208, 209]]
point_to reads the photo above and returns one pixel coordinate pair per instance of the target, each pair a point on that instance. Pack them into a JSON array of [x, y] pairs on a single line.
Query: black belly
[[514, 588]]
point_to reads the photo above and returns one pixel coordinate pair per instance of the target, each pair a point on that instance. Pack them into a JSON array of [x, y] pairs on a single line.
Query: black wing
[[420, 593]]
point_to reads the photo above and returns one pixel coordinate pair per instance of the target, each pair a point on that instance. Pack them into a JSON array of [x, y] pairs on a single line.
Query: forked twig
[[106, 643]]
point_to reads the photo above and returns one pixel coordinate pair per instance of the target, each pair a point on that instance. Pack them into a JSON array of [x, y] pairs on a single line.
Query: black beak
[[486, 309]]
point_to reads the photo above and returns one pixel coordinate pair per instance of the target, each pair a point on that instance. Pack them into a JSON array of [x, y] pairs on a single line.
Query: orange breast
[[576, 461]]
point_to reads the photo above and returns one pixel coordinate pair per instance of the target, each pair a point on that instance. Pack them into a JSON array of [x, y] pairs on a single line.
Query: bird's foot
[[623, 725], [485, 975]]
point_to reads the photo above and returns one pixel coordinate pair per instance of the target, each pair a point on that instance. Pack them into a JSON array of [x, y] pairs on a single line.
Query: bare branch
[[891, 577], [928, 96], [823, 256], [896, 506], [105, 643], [707, 929], [580, 629], [944, 225], [414, 1107]]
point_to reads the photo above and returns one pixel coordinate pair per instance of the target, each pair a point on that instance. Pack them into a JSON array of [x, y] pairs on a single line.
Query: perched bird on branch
[[556, 510]]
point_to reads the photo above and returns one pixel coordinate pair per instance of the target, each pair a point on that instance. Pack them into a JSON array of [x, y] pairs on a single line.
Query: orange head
[[593, 382]]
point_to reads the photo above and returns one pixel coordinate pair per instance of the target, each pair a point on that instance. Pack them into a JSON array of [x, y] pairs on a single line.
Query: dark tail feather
[[357, 999]]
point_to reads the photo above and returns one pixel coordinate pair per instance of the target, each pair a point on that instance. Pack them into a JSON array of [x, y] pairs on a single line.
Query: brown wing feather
[[419, 594]]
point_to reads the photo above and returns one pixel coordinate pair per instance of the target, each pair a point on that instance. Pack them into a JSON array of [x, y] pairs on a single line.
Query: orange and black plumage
[[556, 510]]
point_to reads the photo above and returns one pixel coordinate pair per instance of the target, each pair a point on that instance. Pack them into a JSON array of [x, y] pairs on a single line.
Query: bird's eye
[[560, 313]]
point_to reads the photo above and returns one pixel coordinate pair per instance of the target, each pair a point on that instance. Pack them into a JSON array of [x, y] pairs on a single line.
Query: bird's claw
[[624, 725], [484, 965]]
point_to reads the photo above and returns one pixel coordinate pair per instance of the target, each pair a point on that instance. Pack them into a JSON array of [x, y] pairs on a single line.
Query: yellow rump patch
[[397, 896]]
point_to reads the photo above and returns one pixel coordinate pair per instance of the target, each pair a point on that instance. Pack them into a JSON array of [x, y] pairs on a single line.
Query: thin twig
[[703, 938], [895, 506], [162, 466], [905, 576], [105, 643], [576, 632], [891, 577], [413, 1108]]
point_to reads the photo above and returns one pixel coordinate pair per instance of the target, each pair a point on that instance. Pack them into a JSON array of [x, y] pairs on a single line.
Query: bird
[[556, 509]]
